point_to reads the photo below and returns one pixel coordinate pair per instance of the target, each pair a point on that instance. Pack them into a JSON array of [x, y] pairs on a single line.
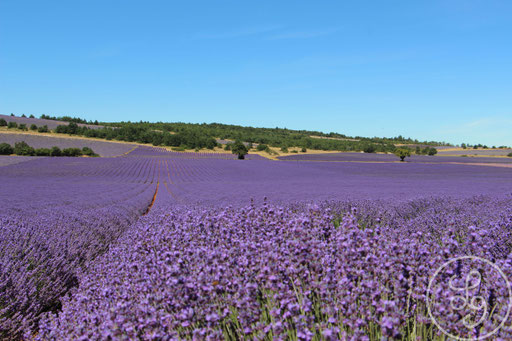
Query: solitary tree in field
[[239, 149], [402, 153]]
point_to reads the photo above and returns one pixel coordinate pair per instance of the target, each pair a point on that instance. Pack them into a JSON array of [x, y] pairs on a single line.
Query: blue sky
[[435, 70]]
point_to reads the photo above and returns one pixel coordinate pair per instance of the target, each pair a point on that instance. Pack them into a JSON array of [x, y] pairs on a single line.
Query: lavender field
[[103, 148], [51, 124], [159, 245], [364, 157]]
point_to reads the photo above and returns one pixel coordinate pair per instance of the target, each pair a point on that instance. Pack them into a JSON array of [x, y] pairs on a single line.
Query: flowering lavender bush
[[276, 272]]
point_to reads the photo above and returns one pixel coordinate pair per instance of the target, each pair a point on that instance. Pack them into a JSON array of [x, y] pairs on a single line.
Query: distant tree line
[[68, 119], [187, 139], [22, 148], [425, 151], [194, 136], [274, 137], [483, 146]]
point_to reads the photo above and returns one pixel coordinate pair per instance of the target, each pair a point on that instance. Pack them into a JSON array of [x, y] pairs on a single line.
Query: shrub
[[22, 126], [22, 148], [370, 148], [303, 149], [3, 122], [262, 147], [239, 149], [509, 154], [432, 151], [88, 151], [227, 146], [5, 149], [43, 129], [55, 151], [12, 125], [284, 149], [33, 127], [71, 152], [43, 152]]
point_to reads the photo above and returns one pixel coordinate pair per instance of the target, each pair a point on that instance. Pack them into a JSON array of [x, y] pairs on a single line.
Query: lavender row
[[57, 216]]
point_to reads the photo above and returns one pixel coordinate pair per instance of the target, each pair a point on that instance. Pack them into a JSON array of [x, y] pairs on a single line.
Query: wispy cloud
[[238, 33], [490, 130], [303, 34], [271, 32]]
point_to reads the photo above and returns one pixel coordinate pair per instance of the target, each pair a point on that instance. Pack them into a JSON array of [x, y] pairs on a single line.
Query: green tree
[[72, 128], [33, 127], [239, 149], [42, 152], [43, 129], [432, 151], [5, 149], [262, 147], [88, 151], [12, 125], [3, 122], [369, 148], [71, 152], [55, 151], [22, 148], [402, 153]]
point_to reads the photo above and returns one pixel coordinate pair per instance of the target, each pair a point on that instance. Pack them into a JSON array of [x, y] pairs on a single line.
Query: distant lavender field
[[162, 152], [487, 152], [6, 160], [42, 122], [103, 148], [391, 158], [164, 245]]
